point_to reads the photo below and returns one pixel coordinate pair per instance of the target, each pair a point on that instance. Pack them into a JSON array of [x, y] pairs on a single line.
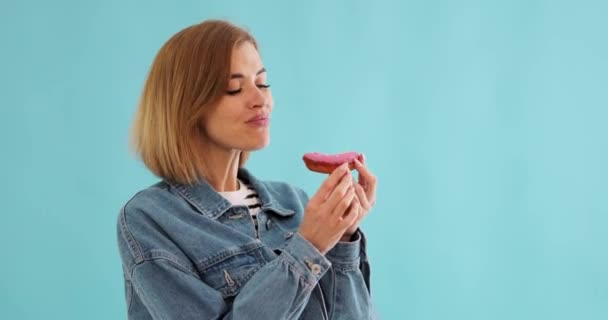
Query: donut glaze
[[327, 163]]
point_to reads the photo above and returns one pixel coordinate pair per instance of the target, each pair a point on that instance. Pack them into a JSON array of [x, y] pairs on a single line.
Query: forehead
[[245, 56]]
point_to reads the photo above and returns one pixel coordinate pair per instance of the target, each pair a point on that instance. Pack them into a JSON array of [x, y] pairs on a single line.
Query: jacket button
[[237, 215], [316, 269]]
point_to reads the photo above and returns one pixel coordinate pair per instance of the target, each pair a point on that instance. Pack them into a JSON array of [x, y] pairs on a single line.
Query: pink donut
[[327, 163]]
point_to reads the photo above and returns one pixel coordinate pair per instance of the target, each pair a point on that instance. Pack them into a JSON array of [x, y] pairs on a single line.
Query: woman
[[212, 241]]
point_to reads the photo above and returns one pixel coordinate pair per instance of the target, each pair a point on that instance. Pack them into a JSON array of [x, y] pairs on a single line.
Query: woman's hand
[[330, 212], [366, 197]]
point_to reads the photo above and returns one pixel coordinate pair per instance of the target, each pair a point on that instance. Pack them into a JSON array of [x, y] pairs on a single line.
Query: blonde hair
[[188, 76]]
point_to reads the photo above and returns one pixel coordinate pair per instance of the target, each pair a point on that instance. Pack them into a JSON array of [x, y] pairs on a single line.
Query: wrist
[[322, 249]]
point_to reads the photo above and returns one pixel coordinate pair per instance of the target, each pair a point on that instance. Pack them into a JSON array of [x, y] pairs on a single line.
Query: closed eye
[[237, 91]]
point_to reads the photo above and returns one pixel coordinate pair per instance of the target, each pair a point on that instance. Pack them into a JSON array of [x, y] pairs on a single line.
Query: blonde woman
[[212, 241]]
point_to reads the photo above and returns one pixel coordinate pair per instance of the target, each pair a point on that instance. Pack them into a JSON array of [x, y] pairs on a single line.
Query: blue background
[[485, 122]]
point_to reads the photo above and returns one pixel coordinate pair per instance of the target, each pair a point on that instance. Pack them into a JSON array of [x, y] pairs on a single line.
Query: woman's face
[[231, 123]]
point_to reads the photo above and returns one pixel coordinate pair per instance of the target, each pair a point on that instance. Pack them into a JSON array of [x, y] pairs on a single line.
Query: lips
[[258, 118], [260, 122]]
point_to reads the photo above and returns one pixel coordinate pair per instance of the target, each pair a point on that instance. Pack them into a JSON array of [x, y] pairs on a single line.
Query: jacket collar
[[209, 202]]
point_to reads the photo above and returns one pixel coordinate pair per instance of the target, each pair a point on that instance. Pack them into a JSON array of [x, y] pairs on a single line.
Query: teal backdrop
[[485, 122]]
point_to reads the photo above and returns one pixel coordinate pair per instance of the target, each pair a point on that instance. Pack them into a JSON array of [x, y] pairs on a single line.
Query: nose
[[258, 98]]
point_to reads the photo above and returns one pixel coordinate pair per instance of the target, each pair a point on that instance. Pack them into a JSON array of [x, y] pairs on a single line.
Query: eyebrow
[[240, 75]]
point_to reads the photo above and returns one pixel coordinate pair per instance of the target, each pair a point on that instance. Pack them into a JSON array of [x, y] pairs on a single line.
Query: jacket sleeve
[[349, 290], [347, 285], [172, 289]]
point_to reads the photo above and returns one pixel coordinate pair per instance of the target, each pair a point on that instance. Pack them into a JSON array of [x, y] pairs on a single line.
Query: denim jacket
[[187, 253]]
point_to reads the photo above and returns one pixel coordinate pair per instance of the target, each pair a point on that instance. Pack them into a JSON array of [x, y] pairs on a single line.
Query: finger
[[362, 197], [330, 183], [339, 191], [360, 217], [353, 213], [344, 203], [364, 174], [366, 179], [340, 173]]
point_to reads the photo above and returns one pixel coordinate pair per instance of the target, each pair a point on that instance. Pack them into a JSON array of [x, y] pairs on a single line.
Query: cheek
[[227, 114], [224, 123]]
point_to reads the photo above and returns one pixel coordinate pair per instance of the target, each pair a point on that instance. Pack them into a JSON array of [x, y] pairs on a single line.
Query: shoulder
[[144, 204], [144, 220]]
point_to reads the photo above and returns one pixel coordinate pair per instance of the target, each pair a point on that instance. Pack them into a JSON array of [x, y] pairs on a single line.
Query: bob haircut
[[188, 77]]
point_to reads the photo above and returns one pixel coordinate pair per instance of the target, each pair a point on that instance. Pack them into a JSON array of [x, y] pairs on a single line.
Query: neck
[[220, 168]]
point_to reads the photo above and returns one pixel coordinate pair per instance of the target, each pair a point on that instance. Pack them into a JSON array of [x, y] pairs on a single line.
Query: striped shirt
[[245, 196]]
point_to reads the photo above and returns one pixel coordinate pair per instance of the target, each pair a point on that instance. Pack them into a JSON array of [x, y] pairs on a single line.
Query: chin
[[258, 145], [261, 146]]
